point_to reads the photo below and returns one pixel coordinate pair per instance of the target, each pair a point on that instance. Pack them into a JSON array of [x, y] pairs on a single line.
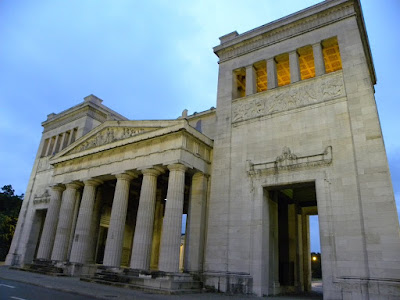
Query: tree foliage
[[10, 204]]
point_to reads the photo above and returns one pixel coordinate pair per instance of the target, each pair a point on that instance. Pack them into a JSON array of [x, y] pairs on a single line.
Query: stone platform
[[153, 281]]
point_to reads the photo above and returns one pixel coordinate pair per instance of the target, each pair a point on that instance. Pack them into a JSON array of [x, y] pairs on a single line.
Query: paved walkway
[[74, 285]]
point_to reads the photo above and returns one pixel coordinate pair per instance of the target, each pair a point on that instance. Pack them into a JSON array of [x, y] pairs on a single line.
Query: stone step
[[155, 288]]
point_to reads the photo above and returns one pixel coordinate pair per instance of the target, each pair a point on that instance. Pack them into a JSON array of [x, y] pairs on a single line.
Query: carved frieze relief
[[107, 136], [290, 161], [310, 92]]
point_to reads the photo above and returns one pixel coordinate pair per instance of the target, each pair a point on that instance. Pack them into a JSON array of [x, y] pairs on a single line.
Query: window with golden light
[[306, 61], [240, 78], [332, 59], [283, 69], [261, 75]]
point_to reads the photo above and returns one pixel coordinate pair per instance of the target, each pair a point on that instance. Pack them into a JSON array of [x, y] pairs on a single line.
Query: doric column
[[251, 87], [50, 223], [271, 74], [74, 219], [81, 241], [294, 67], [155, 244], [318, 59], [115, 236], [94, 226], [306, 252], [171, 232], [141, 247], [64, 225], [196, 219]]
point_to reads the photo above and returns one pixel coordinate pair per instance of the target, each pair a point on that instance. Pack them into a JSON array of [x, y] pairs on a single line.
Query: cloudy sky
[[146, 60]]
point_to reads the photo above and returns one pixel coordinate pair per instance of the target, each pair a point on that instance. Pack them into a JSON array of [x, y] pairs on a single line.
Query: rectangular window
[[332, 59], [283, 69], [45, 145], [73, 137], [261, 75], [57, 149], [52, 142], [239, 77], [66, 139], [306, 61]]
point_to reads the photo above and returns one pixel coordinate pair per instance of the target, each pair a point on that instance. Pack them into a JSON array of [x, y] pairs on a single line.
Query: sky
[[147, 60]]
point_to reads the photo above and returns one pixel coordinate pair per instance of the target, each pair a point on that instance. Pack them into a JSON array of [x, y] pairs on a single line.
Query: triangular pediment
[[112, 132]]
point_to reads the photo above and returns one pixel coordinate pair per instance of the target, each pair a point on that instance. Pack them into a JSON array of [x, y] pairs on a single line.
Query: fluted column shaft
[[155, 244], [171, 232], [196, 219], [94, 226], [141, 247], [64, 225], [50, 223], [81, 241], [115, 236]]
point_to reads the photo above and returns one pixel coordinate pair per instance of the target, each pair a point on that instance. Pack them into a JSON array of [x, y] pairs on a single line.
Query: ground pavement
[[75, 286]]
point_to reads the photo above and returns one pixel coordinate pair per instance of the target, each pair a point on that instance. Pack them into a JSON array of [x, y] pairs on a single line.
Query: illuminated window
[[261, 75], [240, 83], [306, 61], [283, 69], [330, 49]]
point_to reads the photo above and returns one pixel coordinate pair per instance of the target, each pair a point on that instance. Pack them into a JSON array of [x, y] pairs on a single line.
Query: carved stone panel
[[107, 136], [305, 93], [290, 161]]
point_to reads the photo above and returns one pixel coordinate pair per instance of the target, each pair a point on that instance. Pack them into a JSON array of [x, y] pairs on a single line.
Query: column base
[[13, 260]]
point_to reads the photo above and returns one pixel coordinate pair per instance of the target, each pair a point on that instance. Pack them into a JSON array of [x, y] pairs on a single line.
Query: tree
[[10, 205]]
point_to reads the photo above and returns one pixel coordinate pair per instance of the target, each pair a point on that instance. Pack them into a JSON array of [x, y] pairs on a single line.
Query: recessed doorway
[[290, 208]]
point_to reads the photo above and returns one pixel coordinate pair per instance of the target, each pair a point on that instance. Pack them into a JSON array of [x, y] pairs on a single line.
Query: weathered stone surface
[[248, 174]]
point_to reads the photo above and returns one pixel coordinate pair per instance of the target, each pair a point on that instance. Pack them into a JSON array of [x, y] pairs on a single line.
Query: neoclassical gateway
[[295, 133]]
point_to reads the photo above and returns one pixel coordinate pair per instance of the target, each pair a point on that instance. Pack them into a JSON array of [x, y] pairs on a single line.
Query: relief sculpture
[[107, 136], [274, 101]]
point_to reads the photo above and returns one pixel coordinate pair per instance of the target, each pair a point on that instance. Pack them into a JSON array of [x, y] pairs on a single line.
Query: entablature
[[137, 149]]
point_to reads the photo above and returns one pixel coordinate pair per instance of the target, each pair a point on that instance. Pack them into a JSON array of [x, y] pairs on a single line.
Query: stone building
[[295, 133]]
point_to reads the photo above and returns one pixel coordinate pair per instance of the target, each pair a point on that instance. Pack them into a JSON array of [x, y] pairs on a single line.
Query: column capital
[[74, 185], [126, 175], [177, 167], [199, 174], [58, 187], [92, 182], [151, 172]]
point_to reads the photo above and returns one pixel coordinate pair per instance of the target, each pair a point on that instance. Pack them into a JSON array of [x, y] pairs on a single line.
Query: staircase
[[153, 281], [42, 267]]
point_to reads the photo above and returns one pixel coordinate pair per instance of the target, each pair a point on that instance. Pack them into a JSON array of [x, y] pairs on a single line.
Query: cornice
[[317, 16], [161, 128], [87, 108], [75, 115]]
